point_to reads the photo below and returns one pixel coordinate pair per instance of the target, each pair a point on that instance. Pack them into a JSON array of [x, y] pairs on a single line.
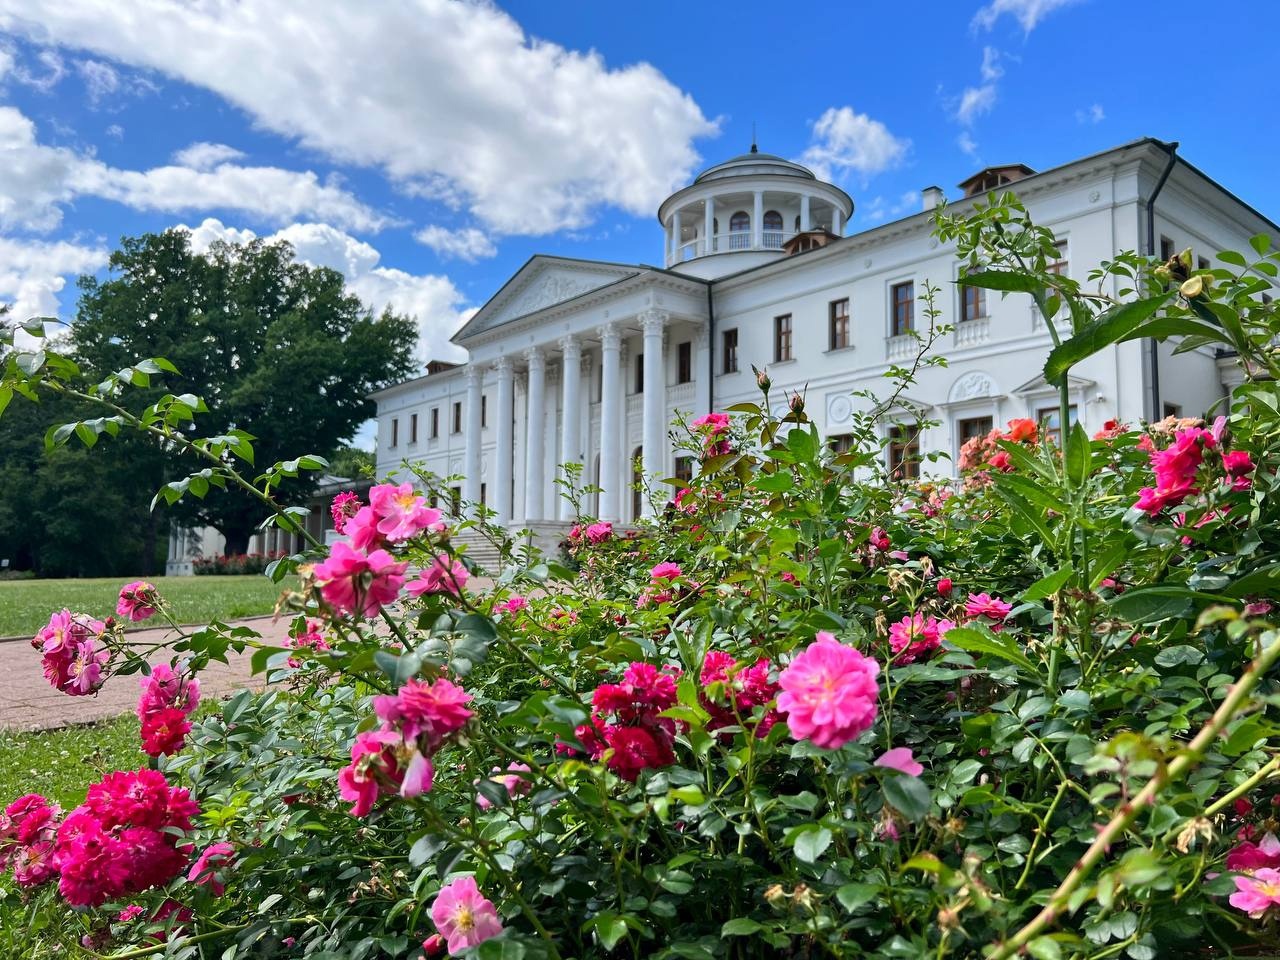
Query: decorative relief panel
[[839, 409], [971, 386]]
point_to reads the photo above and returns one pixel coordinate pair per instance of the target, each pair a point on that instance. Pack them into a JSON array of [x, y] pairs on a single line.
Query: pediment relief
[[547, 286]]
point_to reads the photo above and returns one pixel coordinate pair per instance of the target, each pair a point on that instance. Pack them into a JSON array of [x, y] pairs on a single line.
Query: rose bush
[[811, 710]]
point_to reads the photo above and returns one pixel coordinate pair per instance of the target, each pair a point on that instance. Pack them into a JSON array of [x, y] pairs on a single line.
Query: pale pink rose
[[138, 600], [829, 693], [464, 916], [1256, 893], [985, 605], [443, 576], [900, 759], [402, 513]]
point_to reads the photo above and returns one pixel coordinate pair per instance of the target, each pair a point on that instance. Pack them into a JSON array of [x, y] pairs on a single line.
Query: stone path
[[27, 702]]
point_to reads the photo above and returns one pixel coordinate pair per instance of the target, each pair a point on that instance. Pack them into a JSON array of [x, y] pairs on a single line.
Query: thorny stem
[[1128, 812]]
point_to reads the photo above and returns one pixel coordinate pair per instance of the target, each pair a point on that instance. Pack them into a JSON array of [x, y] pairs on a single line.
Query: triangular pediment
[[541, 283]]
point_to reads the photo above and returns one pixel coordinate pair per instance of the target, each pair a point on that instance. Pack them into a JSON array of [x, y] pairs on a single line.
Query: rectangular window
[[971, 427], [973, 303], [1166, 248], [484, 494], [1172, 410], [904, 452], [684, 362], [841, 443], [903, 301], [782, 338], [684, 469], [484, 410], [455, 501], [1059, 266], [1050, 420], [457, 416], [639, 373], [1202, 263], [729, 363], [413, 428], [395, 431], [435, 423], [838, 314]]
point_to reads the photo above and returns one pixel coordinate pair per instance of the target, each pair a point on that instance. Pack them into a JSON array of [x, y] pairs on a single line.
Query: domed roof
[[752, 164]]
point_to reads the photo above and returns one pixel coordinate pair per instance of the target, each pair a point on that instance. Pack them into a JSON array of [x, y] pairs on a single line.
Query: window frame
[[684, 362], [902, 311], [902, 452], [457, 417], [435, 423], [979, 298], [413, 428], [838, 325], [1054, 434], [729, 351], [395, 432], [782, 338]]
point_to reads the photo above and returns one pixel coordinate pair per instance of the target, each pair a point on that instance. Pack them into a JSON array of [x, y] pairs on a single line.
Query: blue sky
[[428, 148]]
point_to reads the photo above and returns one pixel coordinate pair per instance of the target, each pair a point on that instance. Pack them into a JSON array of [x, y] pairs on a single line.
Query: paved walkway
[[27, 702]]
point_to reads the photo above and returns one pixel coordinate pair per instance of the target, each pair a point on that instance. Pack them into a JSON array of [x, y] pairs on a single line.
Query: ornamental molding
[[975, 385]]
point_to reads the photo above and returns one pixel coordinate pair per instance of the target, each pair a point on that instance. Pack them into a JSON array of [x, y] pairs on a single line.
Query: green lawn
[[25, 605]]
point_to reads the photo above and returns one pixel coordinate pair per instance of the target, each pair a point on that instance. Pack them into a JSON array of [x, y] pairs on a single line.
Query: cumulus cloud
[[36, 179], [33, 273], [444, 97], [1093, 114], [467, 244], [844, 140], [1028, 13], [432, 299], [205, 156]]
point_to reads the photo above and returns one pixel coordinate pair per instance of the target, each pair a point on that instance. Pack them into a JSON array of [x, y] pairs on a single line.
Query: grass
[[25, 605]]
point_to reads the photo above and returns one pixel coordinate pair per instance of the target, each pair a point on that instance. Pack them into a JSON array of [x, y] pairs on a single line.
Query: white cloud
[[442, 96], [35, 180], [205, 156], [115, 131], [967, 145], [878, 209], [467, 244], [54, 71], [1093, 114], [430, 298], [1027, 12], [976, 101], [33, 273], [844, 140]]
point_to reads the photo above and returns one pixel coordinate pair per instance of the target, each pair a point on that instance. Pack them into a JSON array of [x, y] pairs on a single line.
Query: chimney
[[932, 197]]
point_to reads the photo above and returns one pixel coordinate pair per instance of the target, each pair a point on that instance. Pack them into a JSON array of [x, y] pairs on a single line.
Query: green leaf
[[1107, 328], [810, 842], [982, 640], [6, 394], [854, 895], [1178, 655], [609, 927], [908, 795], [500, 948], [1000, 280], [1048, 585], [740, 927], [1079, 456], [1045, 948], [1233, 258], [1149, 604], [1261, 243]]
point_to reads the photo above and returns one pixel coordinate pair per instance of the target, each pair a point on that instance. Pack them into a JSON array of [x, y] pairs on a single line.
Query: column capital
[[610, 338], [701, 336], [502, 366], [653, 321], [472, 374], [535, 358], [571, 347]]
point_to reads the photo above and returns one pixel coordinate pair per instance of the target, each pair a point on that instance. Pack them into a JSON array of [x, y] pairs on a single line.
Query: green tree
[[275, 347]]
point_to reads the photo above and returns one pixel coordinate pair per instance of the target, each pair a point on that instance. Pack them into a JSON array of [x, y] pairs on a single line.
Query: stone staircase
[[479, 551]]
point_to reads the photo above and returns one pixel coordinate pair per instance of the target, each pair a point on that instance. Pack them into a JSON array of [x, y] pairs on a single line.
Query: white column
[[535, 442], [701, 371], [653, 323], [471, 461], [709, 226], [570, 444], [804, 211], [504, 449], [757, 215], [835, 221], [610, 422], [675, 237]]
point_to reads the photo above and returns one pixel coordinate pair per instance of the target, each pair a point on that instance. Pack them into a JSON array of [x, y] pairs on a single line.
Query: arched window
[[637, 482], [740, 231], [772, 224]]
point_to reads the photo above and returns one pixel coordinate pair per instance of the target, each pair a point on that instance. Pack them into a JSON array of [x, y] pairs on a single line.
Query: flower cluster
[[829, 693], [396, 758], [731, 692], [28, 828], [344, 506], [167, 700], [712, 429], [984, 453], [664, 585], [444, 575], [138, 601], [914, 637], [593, 533], [72, 660], [310, 637], [510, 781], [625, 728], [1175, 468], [235, 565], [123, 839]]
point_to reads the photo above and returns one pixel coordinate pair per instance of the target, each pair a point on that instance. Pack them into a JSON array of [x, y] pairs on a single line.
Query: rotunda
[[742, 213]]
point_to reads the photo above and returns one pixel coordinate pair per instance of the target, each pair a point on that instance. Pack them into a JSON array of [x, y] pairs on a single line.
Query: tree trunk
[[237, 542]]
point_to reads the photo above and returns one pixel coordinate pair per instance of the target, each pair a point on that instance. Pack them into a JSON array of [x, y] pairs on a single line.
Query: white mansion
[[585, 361]]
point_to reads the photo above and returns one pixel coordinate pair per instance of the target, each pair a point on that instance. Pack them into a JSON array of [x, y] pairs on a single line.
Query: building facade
[[589, 362]]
